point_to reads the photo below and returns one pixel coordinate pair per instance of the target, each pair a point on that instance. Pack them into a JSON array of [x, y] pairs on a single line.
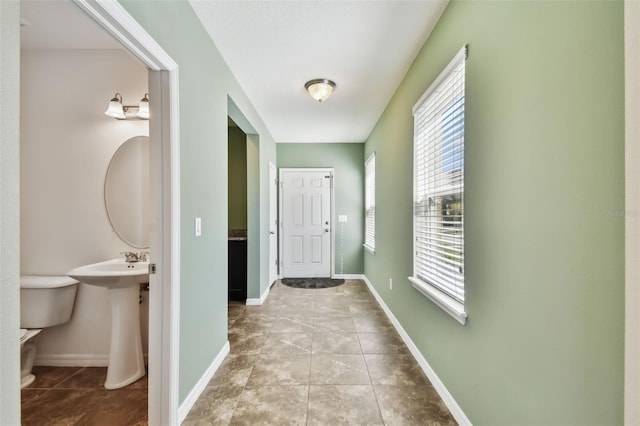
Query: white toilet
[[45, 301]]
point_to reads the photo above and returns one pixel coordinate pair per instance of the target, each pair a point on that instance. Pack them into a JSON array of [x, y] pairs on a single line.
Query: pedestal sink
[[122, 279]]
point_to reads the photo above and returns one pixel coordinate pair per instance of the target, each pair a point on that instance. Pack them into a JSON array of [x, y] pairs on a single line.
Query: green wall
[[348, 163], [237, 185], [544, 169], [206, 86]]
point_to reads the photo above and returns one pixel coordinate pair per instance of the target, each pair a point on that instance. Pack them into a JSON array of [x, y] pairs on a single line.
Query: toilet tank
[[46, 300]]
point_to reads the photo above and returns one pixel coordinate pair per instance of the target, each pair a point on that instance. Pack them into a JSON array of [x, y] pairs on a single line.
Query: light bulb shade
[[115, 109], [320, 89], [143, 107]]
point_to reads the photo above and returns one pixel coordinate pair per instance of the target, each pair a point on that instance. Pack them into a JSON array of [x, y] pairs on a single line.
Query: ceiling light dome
[[320, 89]]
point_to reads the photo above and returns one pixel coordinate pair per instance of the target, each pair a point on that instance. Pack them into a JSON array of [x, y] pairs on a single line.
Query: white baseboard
[[447, 398], [349, 276], [197, 390], [74, 360], [261, 300]]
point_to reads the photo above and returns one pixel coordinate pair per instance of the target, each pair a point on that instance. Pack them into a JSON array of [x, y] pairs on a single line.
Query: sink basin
[[122, 279], [112, 273]]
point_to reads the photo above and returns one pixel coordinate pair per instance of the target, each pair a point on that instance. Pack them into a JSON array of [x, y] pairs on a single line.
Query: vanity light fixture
[[121, 112], [320, 89], [143, 107], [115, 109]]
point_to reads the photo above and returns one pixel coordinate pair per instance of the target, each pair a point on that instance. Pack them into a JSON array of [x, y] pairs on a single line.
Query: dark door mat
[[312, 282]]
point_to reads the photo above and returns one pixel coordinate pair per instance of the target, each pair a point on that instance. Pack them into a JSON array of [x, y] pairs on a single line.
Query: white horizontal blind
[[439, 182], [370, 203]]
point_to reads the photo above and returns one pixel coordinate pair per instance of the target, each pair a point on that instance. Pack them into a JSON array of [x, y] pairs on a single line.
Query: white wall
[[9, 273], [66, 145]]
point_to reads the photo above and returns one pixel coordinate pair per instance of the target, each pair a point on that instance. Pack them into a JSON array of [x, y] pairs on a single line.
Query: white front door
[[306, 222], [273, 224]]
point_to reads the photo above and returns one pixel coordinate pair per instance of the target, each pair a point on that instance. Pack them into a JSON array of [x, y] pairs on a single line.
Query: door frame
[[331, 170], [273, 222], [632, 209], [164, 300]]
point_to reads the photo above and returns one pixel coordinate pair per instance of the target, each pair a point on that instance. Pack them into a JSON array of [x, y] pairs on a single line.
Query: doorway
[[164, 201], [165, 161], [237, 213], [306, 206]]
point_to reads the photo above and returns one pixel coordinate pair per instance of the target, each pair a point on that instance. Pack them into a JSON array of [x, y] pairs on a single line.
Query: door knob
[[326, 229], [271, 232]]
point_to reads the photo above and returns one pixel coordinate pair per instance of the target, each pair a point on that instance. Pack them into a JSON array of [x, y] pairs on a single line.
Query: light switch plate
[[198, 226], [342, 218]]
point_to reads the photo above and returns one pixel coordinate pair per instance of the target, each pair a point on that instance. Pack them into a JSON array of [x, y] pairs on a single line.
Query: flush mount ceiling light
[[122, 112], [320, 89]]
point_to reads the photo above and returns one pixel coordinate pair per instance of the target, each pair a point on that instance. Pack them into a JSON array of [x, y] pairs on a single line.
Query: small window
[[370, 203], [438, 264]]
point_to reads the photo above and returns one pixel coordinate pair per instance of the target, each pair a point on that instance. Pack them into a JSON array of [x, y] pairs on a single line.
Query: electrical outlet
[[390, 283]]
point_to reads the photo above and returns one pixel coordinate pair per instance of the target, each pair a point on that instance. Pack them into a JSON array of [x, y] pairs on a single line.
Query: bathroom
[[67, 142]]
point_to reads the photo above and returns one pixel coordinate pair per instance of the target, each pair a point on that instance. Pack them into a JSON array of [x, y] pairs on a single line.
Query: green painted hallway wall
[[544, 165], [205, 87]]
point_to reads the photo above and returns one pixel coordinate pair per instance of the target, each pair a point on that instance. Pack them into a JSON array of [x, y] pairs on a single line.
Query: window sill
[[369, 249], [446, 303]]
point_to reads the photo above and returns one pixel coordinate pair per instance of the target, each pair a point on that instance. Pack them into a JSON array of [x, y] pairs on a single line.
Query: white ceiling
[[60, 24], [274, 47]]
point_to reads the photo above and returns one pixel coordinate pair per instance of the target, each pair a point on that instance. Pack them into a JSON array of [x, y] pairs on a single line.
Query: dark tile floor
[[76, 396], [317, 357]]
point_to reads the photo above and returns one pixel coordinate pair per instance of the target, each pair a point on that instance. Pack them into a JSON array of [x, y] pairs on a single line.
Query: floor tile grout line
[[370, 379], [375, 394]]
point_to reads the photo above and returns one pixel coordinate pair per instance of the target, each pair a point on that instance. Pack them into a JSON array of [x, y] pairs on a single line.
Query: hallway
[[317, 357]]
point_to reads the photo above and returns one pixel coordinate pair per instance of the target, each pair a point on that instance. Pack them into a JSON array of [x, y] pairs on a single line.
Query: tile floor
[[317, 357], [76, 396]]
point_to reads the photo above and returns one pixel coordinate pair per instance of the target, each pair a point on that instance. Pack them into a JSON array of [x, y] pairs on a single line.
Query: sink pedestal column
[[126, 362]]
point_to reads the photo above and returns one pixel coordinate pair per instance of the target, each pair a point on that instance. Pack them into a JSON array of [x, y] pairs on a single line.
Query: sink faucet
[[130, 256]]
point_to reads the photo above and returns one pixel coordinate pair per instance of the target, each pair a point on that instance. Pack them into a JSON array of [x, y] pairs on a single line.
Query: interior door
[[273, 224], [306, 222]]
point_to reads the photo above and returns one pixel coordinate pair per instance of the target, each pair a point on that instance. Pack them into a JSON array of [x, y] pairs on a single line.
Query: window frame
[[432, 290], [370, 172]]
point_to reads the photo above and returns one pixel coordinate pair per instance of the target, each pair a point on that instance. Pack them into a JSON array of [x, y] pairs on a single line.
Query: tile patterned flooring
[[76, 396], [305, 357], [317, 357]]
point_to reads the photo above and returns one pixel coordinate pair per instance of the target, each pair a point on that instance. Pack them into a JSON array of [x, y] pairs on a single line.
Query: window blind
[[370, 203], [439, 182]]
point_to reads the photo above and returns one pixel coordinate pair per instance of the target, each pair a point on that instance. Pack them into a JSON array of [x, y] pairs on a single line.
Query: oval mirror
[[126, 192]]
